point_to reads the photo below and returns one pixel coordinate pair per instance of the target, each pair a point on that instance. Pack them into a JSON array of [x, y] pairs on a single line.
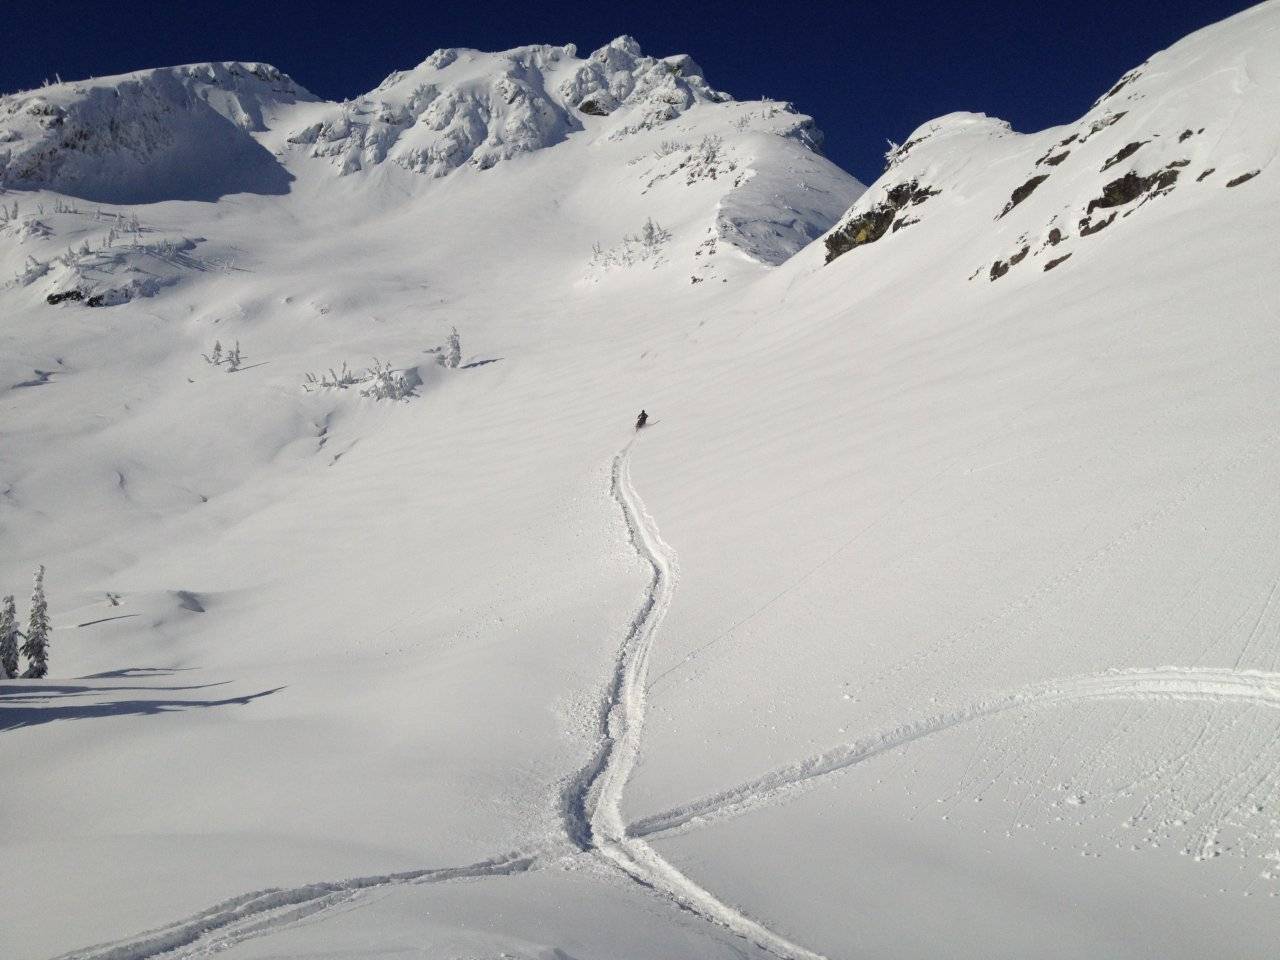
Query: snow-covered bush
[[333, 380], [645, 246], [384, 383], [709, 149], [232, 359], [379, 382], [32, 271]]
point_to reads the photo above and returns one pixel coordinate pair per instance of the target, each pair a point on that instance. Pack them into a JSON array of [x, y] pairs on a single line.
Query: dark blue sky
[[866, 71]]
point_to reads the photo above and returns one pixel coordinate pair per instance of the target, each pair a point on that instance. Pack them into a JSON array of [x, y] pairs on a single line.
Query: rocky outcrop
[[872, 224]]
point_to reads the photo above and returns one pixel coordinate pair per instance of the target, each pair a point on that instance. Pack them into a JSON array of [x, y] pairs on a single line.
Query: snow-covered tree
[[652, 235], [8, 639], [36, 645], [454, 359], [234, 358]]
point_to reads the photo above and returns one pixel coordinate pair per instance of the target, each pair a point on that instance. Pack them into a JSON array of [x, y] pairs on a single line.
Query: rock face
[[1007, 198], [184, 133]]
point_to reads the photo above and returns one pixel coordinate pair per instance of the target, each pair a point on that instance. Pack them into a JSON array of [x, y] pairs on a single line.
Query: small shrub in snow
[[379, 382], [333, 380], [710, 148], [386, 383], [232, 359], [646, 245]]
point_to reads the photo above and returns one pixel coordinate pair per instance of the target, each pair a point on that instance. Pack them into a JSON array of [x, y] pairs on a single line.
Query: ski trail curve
[[600, 793], [267, 911], [1163, 683]]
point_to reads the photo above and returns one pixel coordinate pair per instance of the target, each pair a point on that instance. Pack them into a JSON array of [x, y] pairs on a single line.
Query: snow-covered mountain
[[933, 613], [181, 133]]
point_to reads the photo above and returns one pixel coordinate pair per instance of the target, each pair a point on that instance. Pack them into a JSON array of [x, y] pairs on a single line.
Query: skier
[[641, 420]]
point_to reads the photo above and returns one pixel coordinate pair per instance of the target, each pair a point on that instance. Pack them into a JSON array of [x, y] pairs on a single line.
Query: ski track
[[591, 802], [1208, 685], [601, 798], [266, 911]]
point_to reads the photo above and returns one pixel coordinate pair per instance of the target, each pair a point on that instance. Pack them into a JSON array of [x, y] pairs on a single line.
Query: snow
[[933, 613]]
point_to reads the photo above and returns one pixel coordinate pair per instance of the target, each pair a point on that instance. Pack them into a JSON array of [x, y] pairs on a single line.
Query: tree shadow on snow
[[135, 671], [16, 717]]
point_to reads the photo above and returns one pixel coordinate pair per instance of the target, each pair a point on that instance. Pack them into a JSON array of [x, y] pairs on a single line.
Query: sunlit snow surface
[[934, 613]]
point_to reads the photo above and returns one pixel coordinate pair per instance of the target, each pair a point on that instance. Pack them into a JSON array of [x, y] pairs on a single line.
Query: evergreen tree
[[36, 646], [8, 640], [455, 350]]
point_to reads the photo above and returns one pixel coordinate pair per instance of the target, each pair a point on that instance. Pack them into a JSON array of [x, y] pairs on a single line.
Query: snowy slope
[[932, 615]]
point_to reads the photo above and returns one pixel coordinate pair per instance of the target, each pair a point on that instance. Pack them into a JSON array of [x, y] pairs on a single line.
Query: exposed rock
[[1099, 125], [1185, 136], [598, 105], [1087, 226], [1131, 186], [1235, 182], [1124, 153], [1124, 81], [1023, 192], [1053, 263], [1207, 173], [864, 229], [870, 226], [1056, 158], [1055, 237], [1001, 267], [56, 298]]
